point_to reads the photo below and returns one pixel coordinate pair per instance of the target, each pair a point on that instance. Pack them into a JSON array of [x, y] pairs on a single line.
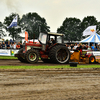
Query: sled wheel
[[92, 60]]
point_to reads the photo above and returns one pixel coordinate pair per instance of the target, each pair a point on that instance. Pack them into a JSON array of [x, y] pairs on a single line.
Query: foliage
[[1, 29], [73, 27], [89, 21], [14, 31], [70, 28], [33, 24]]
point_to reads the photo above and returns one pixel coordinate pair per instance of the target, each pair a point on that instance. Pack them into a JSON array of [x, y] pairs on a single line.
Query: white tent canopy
[[92, 38]]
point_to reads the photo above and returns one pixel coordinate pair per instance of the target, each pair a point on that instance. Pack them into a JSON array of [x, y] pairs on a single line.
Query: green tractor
[[54, 51]]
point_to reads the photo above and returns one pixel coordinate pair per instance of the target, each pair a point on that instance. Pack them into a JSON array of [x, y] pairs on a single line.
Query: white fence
[[8, 52]]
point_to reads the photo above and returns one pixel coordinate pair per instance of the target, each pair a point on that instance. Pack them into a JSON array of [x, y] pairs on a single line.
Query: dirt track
[[55, 84], [18, 63]]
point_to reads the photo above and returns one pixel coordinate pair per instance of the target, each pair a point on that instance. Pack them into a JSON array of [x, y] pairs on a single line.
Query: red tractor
[[55, 52]]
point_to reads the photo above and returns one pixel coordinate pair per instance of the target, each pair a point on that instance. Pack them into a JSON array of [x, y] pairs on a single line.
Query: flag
[[26, 36], [91, 30], [13, 23]]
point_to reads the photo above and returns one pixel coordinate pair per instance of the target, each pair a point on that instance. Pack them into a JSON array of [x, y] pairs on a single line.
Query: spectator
[[72, 45], [3, 45], [21, 46], [69, 47], [11, 45], [99, 47], [95, 49], [84, 46], [0, 46], [92, 47], [75, 46], [89, 48], [24, 42], [79, 47], [18, 45], [8, 45], [14, 45]]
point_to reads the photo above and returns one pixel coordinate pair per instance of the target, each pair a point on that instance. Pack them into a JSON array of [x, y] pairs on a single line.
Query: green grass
[[49, 67], [8, 57]]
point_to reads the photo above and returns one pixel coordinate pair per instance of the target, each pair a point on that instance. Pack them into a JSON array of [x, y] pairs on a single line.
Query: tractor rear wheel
[[32, 56], [59, 54], [92, 60]]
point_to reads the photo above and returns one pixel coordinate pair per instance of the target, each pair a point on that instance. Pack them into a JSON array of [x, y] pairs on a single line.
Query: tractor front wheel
[[32, 56]]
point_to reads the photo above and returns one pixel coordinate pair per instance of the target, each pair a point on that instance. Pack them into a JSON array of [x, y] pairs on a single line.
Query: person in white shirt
[[75, 46], [11, 45], [14, 45], [89, 48]]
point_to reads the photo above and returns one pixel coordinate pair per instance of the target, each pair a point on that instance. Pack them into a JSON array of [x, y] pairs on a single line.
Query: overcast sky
[[54, 11]]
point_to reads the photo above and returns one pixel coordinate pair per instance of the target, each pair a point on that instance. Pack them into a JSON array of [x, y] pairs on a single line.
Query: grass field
[[8, 57], [49, 67]]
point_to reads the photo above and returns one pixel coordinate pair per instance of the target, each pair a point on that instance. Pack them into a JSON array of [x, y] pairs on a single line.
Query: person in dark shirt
[[84, 47], [72, 45], [53, 41], [8, 45], [79, 48], [3, 45], [21, 46]]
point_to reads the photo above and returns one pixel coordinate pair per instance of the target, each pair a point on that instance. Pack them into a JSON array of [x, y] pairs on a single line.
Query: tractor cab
[[49, 39]]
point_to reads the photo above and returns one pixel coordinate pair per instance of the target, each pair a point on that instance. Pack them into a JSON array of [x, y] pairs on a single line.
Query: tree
[[13, 31], [33, 24], [89, 21], [71, 29], [1, 29]]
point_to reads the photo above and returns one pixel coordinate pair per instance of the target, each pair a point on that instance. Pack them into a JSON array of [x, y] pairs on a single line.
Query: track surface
[[18, 63], [54, 84]]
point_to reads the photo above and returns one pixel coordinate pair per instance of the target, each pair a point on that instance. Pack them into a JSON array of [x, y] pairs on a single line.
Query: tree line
[[34, 24]]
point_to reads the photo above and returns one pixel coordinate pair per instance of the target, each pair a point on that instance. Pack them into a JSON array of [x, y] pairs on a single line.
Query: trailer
[[85, 57]]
